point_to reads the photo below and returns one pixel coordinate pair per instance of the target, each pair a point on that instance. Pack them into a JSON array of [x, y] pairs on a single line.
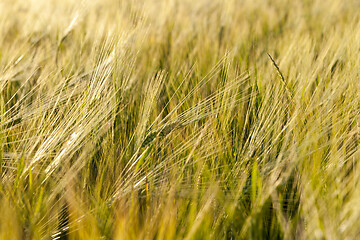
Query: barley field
[[179, 119]]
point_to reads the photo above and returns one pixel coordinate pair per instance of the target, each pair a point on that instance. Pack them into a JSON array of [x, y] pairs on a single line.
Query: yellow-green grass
[[179, 119]]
